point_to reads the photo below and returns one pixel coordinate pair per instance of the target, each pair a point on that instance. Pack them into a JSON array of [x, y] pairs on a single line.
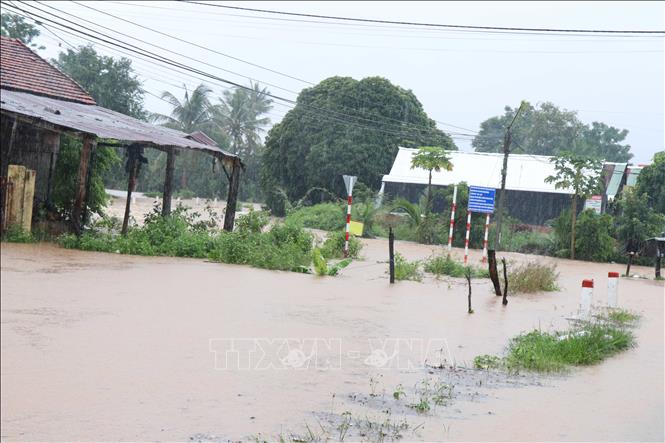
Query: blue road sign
[[481, 199]]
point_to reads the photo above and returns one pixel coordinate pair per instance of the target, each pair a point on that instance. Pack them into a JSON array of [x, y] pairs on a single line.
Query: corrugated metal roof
[[99, 121], [525, 172], [23, 70], [616, 179]]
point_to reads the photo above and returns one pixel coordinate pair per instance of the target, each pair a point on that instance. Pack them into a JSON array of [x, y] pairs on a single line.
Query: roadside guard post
[[612, 289], [452, 220], [349, 181], [585, 299], [480, 200]]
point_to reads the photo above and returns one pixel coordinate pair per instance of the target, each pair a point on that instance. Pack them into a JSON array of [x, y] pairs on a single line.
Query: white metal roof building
[[525, 172]]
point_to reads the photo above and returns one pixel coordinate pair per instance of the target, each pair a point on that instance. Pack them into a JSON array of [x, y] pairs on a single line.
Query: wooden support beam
[[131, 184], [79, 200], [168, 182], [232, 199]]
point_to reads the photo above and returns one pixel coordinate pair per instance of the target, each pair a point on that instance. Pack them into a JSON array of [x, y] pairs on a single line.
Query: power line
[[430, 25], [167, 61], [163, 59], [235, 58]]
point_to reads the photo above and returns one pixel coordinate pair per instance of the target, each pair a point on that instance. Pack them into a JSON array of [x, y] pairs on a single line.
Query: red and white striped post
[[452, 220], [585, 299], [349, 181], [466, 238], [612, 289], [487, 230]]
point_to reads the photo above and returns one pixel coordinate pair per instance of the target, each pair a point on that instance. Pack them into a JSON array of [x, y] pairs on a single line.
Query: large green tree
[[651, 183], [343, 126], [110, 81], [549, 130], [15, 26]]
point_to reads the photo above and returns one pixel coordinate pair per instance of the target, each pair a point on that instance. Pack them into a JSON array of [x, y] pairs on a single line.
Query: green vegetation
[[285, 246], [584, 345], [322, 268], [333, 247], [548, 130], [16, 234], [579, 173], [595, 240], [533, 277], [15, 26], [445, 265], [619, 317], [651, 183], [305, 151], [326, 216], [407, 270]]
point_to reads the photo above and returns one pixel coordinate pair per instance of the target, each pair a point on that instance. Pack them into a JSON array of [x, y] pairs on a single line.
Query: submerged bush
[[16, 234], [533, 277], [333, 247], [406, 270], [286, 246], [441, 265]]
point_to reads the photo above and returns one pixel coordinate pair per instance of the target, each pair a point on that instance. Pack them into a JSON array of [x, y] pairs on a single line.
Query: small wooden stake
[[467, 274], [505, 282], [391, 254]]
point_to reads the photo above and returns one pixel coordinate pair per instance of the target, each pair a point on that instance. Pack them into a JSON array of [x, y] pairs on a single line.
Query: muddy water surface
[[110, 347]]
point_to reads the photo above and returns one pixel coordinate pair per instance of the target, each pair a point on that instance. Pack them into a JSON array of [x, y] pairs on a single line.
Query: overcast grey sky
[[462, 78]]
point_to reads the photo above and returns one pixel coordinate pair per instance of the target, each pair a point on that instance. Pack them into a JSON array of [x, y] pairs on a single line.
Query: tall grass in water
[[587, 344], [533, 277], [447, 266]]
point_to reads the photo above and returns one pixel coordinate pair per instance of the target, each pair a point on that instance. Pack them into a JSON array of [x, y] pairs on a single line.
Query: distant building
[[529, 198]]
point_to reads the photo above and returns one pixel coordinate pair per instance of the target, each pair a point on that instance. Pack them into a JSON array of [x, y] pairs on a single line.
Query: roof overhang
[[100, 122]]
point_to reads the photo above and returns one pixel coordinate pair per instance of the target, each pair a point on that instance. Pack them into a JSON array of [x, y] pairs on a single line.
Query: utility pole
[[502, 197]]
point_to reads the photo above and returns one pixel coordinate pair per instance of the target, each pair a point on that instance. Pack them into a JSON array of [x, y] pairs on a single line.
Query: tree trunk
[[168, 182], [573, 217], [77, 209], [231, 200], [494, 274], [429, 194]]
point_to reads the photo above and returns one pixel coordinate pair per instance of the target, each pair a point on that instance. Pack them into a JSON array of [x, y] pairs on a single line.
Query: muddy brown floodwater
[[111, 347]]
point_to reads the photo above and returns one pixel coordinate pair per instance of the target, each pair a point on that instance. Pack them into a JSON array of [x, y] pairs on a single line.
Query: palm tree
[[240, 113], [191, 114]]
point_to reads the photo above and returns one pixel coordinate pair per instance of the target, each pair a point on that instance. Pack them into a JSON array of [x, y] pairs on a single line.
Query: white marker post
[[452, 220], [487, 230], [612, 289], [466, 238], [585, 299], [349, 181]]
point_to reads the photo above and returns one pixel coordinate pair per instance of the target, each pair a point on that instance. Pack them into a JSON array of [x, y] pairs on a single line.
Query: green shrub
[[533, 277], [445, 265], [406, 270], [16, 234], [593, 236], [185, 194], [252, 222], [529, 243], [286, 246], [325, 216], [333, 247]]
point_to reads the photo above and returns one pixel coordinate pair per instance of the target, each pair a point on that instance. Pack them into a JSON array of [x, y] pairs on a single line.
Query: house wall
[[33, 148], [533, 208]]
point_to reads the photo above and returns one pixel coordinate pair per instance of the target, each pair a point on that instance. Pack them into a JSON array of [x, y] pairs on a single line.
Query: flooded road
[[109, 347]]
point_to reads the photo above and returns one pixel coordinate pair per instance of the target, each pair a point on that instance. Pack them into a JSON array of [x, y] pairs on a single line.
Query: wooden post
[[657, 264], [88, 183], [77, 210], [494, 274], [391, 254], [467, 274], [131, 183], [168, 182], [232, 199], [631, 254], [505, 282]]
